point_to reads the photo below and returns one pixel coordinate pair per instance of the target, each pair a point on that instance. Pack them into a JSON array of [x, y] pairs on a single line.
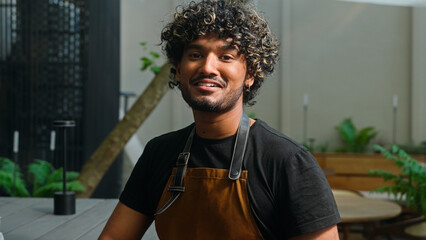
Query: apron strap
[[234, 170], [239, 148], [181, 165]]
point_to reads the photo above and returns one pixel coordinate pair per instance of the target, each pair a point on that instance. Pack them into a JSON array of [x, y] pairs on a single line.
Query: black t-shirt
[[288, 192]]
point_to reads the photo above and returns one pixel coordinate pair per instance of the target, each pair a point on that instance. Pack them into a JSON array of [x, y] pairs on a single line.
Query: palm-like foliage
[[355, 141], [11, 187], [46, 180], [410, 184], [43, 178]]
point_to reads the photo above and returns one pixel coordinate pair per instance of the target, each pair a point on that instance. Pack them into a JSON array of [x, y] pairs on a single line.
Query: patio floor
[[33, 218]]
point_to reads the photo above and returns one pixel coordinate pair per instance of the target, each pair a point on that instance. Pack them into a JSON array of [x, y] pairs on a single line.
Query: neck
[[217, 125]]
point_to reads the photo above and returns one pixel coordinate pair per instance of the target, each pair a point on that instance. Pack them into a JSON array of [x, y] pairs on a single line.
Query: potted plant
[[355, 141], [408, 187], [11, 181], [42, 177]]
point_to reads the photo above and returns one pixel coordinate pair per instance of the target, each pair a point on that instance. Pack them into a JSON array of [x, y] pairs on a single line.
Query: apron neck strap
[[236, 162], [239, 148]]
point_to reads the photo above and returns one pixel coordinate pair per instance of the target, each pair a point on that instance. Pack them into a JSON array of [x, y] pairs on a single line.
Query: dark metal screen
[[43, 70]]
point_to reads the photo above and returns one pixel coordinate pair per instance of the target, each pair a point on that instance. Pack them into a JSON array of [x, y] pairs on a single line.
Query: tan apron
[[206, 203]]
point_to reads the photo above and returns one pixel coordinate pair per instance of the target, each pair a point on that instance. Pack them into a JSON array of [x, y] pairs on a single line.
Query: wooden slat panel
[[350, 171], [359, 165], [17, 203], [358, 183], [94, 232], [354, 163], [150, 234], [26, 215], [48, 222], [4, 200], [77, 227]]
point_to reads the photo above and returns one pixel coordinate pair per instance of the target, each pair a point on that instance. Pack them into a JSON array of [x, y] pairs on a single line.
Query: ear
[[177, 68], [249, 81]]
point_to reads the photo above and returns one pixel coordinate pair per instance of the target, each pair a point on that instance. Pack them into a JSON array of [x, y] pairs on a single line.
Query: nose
[[209, 66]]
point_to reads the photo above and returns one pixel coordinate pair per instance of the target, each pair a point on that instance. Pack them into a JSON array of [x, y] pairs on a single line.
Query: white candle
[[305, 99], [52, 140], [395, 101], [15, 141]]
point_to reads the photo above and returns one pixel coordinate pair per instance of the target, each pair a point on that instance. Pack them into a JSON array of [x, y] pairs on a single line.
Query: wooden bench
[[350, 171]]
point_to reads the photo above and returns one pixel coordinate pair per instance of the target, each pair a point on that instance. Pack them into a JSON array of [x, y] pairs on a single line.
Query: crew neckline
[[221, 140]]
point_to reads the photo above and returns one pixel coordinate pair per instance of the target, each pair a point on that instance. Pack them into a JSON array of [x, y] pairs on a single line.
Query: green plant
[[409, 185], [42, 177], [150, 60], [12, 183], [355, 141], [46, 180], [414, 149], [323, 148]]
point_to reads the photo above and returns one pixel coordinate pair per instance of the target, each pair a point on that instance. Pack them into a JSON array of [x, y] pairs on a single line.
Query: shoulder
[[163, 150], [169, 141], [279, 153], [270, 139]]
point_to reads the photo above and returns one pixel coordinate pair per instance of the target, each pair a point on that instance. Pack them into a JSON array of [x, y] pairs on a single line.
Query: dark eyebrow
[[192, 46], [230, 48], [198, 47]]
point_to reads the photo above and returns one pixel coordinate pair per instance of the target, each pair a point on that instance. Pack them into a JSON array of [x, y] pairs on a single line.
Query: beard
[[221, 105]]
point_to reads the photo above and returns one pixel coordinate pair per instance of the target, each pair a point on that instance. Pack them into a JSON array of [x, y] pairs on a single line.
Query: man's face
[[212, 74]]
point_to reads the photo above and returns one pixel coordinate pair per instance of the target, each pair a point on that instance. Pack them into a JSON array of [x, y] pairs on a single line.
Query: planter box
[[350, 171]]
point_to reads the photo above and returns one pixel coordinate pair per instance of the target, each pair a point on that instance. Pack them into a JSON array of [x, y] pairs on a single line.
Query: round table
[[354, 208], [359, 209]]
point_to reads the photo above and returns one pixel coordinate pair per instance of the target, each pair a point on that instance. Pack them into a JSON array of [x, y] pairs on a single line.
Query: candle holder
[[305, 118], [64, 202], [15, 159], [395, 109]]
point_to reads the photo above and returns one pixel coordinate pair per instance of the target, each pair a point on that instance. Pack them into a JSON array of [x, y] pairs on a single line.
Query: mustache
[[214, 78]]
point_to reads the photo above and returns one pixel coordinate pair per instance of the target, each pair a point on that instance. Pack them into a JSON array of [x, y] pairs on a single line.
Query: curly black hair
[[228, 19]]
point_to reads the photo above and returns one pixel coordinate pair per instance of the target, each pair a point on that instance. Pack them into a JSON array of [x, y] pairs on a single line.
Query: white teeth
[[207, 84]]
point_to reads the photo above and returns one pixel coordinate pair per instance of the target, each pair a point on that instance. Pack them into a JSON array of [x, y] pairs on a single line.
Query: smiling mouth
[[208, 81], [206, 84]]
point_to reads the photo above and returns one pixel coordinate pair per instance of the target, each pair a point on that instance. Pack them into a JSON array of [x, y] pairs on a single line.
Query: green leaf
[[363, 138], [11, 179], [7, 165], [71, 176], [146, 62], [48, 190], [347, 132], [154, 54], [45, 179], [411, 184], [55, 176], [39, 171], [387, 176], [155, 69]]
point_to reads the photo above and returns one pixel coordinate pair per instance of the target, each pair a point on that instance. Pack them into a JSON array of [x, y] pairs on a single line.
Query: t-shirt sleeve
[[307, 194], [142, 190]]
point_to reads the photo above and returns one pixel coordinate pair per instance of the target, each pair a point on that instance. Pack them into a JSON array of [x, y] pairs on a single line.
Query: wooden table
[[32, 218], [354, 208]]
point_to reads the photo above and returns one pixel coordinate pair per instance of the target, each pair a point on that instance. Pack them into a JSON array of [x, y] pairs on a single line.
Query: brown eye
[[194, 55], [227, 57]]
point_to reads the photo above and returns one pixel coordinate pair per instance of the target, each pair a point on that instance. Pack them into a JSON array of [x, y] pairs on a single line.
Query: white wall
[[350, 58], [418, 127], [142, 21]]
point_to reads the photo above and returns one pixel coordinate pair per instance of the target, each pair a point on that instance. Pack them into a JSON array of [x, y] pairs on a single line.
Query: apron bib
[[206, 203]]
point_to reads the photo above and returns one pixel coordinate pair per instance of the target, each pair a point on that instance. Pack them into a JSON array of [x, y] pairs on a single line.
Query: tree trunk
[[95, 168]]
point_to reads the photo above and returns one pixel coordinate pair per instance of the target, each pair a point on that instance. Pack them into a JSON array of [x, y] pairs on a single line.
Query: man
[[225, 176]]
